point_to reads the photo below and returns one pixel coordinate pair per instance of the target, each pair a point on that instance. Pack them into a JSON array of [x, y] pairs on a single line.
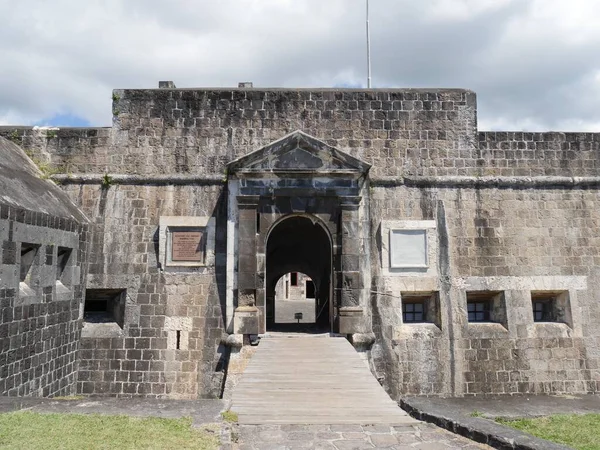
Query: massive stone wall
[[141, 358], [515, 241], [42, 276], [537, 154], [178, 131], [400, 132], [166, 155]]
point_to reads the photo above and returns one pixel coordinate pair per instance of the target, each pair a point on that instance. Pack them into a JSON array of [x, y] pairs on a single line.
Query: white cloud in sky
[[532, 63]]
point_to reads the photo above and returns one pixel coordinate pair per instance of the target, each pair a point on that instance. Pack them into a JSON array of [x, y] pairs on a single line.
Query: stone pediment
[[298, 153]]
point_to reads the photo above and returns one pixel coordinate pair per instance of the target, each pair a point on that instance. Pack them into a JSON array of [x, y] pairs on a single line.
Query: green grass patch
[[229, 416], [28, 430], [578, 431]]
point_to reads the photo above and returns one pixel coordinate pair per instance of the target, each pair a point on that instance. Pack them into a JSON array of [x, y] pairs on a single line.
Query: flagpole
[[368, 49]]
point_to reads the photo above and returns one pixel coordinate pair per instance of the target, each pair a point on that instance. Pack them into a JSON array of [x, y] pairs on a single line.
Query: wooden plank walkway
[[312, 380]]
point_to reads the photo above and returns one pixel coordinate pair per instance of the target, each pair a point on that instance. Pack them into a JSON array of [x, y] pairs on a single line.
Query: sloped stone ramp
[[312, 380]]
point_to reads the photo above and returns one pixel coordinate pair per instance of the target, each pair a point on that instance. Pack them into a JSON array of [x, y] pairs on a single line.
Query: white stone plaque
[[408, 248]]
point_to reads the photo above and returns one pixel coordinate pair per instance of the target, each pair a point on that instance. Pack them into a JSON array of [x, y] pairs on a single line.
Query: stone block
[[245, 320], [351, 320]]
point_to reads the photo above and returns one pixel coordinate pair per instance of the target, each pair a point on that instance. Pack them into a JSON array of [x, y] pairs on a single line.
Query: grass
[[229, 416], [46, 168], [476, 413], [28, 430], [577, 431]]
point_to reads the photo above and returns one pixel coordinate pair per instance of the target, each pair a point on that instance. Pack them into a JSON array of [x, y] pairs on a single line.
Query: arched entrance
[[299, 244], [296, 205]]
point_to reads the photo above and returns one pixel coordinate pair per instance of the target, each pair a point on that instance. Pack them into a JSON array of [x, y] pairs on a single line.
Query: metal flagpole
[[368, 49]]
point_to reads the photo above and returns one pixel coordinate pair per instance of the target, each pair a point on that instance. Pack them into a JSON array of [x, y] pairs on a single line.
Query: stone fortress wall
[[42, 274], [507, 213]]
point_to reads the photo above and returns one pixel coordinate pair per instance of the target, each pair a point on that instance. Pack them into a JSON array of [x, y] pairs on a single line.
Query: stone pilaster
[[246, 314], [350, 312]]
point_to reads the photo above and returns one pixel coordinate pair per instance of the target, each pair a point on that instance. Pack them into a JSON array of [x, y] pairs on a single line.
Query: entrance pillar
[[350, 312], [246, 316]]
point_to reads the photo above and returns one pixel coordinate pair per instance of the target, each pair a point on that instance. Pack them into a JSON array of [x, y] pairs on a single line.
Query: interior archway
[[298, 244], [295, 299]]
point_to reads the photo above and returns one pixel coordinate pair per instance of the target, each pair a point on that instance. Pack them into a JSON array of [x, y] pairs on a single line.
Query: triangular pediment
[[298, 152]]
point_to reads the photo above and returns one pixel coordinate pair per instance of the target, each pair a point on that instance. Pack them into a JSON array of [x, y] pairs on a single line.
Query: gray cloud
[[530, 61]]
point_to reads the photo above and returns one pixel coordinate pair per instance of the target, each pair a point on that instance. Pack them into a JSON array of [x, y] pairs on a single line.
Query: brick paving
[[345, 437]]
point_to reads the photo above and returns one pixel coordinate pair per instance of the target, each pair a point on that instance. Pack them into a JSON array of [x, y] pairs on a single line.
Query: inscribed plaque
[[408, 248], [186, 246]]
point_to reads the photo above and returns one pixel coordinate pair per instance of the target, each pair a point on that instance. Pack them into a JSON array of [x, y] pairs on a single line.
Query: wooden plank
[[308, 380]]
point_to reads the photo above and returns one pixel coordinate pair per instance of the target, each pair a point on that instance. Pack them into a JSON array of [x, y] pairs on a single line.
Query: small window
[[479, 311], [310, 289], [28, 258], [294, 278], [550, 306], [486, 306], [105, 305], [542, 311], [63, 258], [413, 312], [420, 307]]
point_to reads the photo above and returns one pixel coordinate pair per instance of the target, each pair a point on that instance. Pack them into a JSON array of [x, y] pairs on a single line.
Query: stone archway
[[298, 176], [299, 243]]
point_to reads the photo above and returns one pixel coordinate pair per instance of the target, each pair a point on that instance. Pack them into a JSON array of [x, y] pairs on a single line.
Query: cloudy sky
[[535, 64]]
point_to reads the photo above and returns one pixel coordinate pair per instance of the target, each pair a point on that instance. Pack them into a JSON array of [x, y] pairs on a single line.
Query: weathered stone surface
[[456, 415], [422, 436], [40, 322], [511, 212]]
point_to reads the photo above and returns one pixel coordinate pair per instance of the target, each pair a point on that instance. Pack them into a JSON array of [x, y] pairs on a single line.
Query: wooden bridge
[[312, 380]]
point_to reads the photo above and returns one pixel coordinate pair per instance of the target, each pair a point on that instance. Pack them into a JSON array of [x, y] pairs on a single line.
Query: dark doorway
[[295, 245]]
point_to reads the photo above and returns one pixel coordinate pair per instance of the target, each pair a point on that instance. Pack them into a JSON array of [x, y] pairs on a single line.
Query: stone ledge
[[101, 330], [96, 178], [442, 181], [481, 430], [487, 181]]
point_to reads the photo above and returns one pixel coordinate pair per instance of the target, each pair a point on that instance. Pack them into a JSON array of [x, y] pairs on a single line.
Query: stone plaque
[[186, 246], [408, 248]]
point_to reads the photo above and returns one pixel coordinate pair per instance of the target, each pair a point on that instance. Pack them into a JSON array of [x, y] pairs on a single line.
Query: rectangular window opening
[[294, 278], [479, 311], [28, 258], [310, 289], [178, 344], [486, 306], [413, 312], [63, 274], [420, 307], [105, 306], [550, 306], [63, 259]]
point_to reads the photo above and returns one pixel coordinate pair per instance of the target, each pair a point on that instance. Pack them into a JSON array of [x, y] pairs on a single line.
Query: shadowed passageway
[[297, 244]]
